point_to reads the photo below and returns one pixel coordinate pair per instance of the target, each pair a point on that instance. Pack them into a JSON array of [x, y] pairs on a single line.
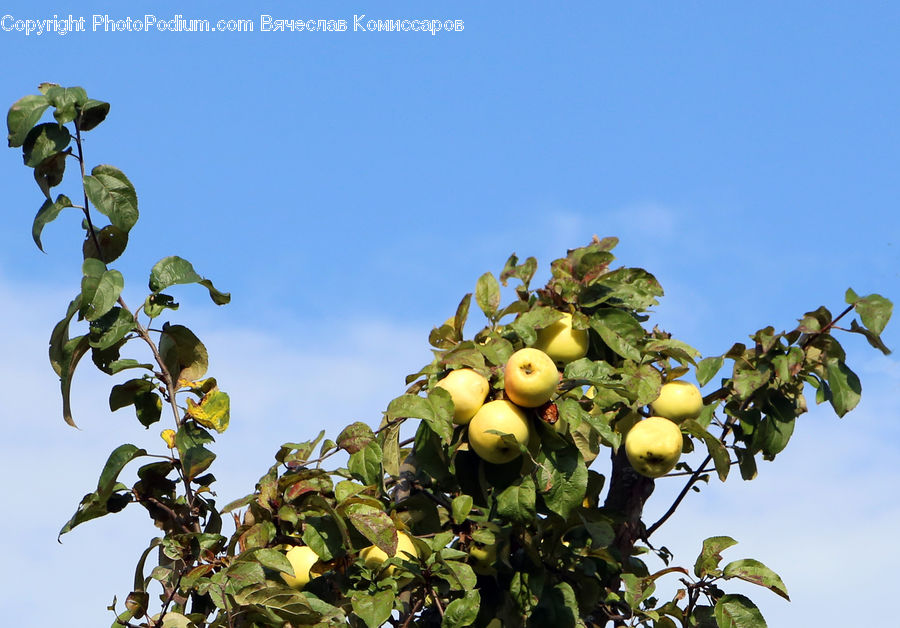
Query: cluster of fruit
[[653, 445], [530, 379]]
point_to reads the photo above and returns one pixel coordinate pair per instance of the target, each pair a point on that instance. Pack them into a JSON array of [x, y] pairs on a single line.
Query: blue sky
[[348, 188]]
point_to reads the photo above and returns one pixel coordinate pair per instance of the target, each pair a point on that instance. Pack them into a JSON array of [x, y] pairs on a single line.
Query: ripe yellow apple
[[374, 556], [483, 558], [561, 342], [503, 416], [530, 377], [653, 446], [678, 401], [468, 389], [302, 559]]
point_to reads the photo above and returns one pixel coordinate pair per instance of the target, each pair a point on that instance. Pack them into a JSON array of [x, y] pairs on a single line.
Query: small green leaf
[[874, 312], [43, 141], [113, 195], [716, 449], [461, 506], [846, 389], [373, 609], [92, 113], [100, 289], [619, 330], [707, 369], [517, 501], [97, 504], [65, 100], [196, 460], [562, 480], [355, 437], [710, 556], [47, 214], [754, 571], [110, 328], [461, 611], [112, 241], [22, 117], [173, 270], [49, 173], [365, 464], [487, 294], [737, 611], [375, 525], [182, 352]]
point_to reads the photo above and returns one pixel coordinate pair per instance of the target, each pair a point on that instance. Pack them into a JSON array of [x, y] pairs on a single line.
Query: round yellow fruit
[[653, 446], [503, 416], [302, 559], [467, 389], [678, 401], [561, 342], [374, 556], [530, 377]]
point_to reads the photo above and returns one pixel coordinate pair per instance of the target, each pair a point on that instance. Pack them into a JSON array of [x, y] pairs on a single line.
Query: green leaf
[[65, 100], [436, 410], [537, 318], [92, 113], [155, 304], [748, 380], [47, 214], [619, 330], [196, 460], [22, 117], [710, 557], [72, 352], [324, 536], [487, 294], [110, 328], [49, 173], [355, 437], [461, 506], [754, 571], [173, 270], [96, 504], [375, 525], [273, 559], [874, 312], [562, 478], [461, 611], [737, 611], [113, 195], [373, 609], [523, 272], [517, 501], [846, 389], [872, 339], [182, 352], [637, 589], [365, 464], [716, 449], [100, 289], [707, 369], [44, 141], [112, 242]]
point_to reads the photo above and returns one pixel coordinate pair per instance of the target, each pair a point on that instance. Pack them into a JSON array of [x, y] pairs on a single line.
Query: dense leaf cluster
[[554, 537]]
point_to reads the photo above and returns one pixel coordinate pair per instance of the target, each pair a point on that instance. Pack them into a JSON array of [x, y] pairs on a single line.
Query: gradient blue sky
[[348, 189]]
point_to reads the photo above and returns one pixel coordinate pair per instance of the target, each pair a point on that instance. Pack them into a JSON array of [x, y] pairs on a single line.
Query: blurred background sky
[[349, 187]]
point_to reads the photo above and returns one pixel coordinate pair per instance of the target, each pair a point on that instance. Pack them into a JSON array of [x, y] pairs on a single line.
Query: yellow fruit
[[530, 377], [374, 556], [503, 416], [467, 389], [678, 401], [302, 558], [561, 342], [169, 437], [653, 446]]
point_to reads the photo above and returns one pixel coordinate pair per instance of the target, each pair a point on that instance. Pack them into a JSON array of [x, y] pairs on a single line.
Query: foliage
[[554, 537]]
